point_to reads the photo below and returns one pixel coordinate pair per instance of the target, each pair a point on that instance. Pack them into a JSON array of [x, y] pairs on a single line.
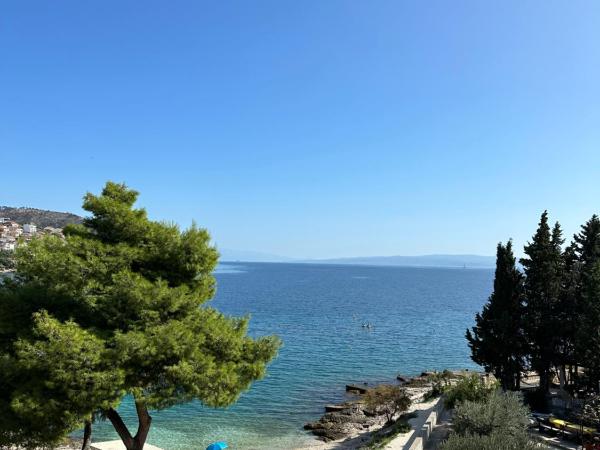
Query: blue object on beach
[[217, 446]]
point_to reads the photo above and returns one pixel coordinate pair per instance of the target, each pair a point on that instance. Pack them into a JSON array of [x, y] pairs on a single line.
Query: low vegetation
[[470, 388], [388, 400], [495, 421], [493, 442], [385, 436], [7, 260], [499, 412], [440, 382]]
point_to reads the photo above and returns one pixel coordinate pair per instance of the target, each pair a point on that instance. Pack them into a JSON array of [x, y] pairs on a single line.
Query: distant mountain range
[[40, 217], [470, 261], [231, 255], [459, 261], [44, 218]]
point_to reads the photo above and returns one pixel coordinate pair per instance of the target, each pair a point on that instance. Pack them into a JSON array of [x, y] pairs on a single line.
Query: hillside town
[[13, 234]]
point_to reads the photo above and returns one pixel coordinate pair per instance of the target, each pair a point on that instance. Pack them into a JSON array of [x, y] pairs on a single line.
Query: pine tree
[[116, 308], [497, 340], [543, 275]]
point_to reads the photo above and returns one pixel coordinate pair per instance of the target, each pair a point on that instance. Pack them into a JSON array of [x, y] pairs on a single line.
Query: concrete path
[[117, 445], [555, 441], [440, 432]]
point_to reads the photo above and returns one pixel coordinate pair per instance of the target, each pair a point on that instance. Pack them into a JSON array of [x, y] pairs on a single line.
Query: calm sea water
[[419, 318]]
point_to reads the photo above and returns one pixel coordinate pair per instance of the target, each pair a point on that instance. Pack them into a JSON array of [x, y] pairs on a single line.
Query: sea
[[418, 319]]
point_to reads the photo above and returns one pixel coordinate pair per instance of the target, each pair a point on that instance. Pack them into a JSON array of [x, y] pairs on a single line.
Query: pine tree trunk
[[144, 422], [120, 428], [87, 436], [138, 441]]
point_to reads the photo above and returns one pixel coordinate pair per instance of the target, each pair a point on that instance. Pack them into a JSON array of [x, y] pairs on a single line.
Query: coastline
[[359, 438]]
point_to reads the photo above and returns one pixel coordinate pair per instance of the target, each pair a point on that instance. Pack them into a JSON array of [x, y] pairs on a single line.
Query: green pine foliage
[[118, 307], [497, 340], [587, 337], [542, 266], [546, 319]]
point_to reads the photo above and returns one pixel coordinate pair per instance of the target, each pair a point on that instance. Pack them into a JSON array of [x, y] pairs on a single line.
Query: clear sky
[[309, 128]]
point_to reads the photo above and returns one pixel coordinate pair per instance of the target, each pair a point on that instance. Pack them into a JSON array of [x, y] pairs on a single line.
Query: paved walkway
[[555, 441], [440, 432]]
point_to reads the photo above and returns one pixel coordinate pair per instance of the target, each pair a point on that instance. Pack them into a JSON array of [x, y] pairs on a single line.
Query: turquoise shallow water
[[419, 318]]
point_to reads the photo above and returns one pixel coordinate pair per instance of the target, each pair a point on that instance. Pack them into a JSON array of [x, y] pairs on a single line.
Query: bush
[[470, 388], [7, 260], [387, 399], [499, 422], [492, 442], [502, 413], [440, 381], [591, 412]]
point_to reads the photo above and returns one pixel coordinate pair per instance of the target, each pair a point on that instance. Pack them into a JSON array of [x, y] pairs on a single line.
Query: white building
[[29, 228], [8, 244]]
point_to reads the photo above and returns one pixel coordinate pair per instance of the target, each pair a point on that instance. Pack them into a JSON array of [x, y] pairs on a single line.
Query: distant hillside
[[39, 217], [469, 261], [250, 256]]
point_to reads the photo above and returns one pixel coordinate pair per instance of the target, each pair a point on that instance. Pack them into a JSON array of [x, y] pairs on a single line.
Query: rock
[[333, 408], [349, 418]]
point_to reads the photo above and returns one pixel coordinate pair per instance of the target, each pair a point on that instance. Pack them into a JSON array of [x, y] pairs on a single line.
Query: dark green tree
[[587, 243], [116, 308], [6, 260], [497, 340], [566, 312], [543, 278]]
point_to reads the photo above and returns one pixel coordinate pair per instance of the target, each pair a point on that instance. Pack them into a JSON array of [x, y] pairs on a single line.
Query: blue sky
[[309, 128]]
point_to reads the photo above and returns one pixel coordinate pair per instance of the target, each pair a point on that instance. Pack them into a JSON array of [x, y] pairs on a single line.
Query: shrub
[[500, 413], [492, 442], [440, 381], [7, 260], [495, 421], [387, 399], [590, 415], [470, 388]]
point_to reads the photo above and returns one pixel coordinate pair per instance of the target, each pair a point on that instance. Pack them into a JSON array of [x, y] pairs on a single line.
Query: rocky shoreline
[[353, 423]]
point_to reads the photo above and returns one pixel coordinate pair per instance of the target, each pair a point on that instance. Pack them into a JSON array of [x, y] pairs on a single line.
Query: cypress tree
[[543, 275], [497, 341], [567, 312], [587, 243]]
